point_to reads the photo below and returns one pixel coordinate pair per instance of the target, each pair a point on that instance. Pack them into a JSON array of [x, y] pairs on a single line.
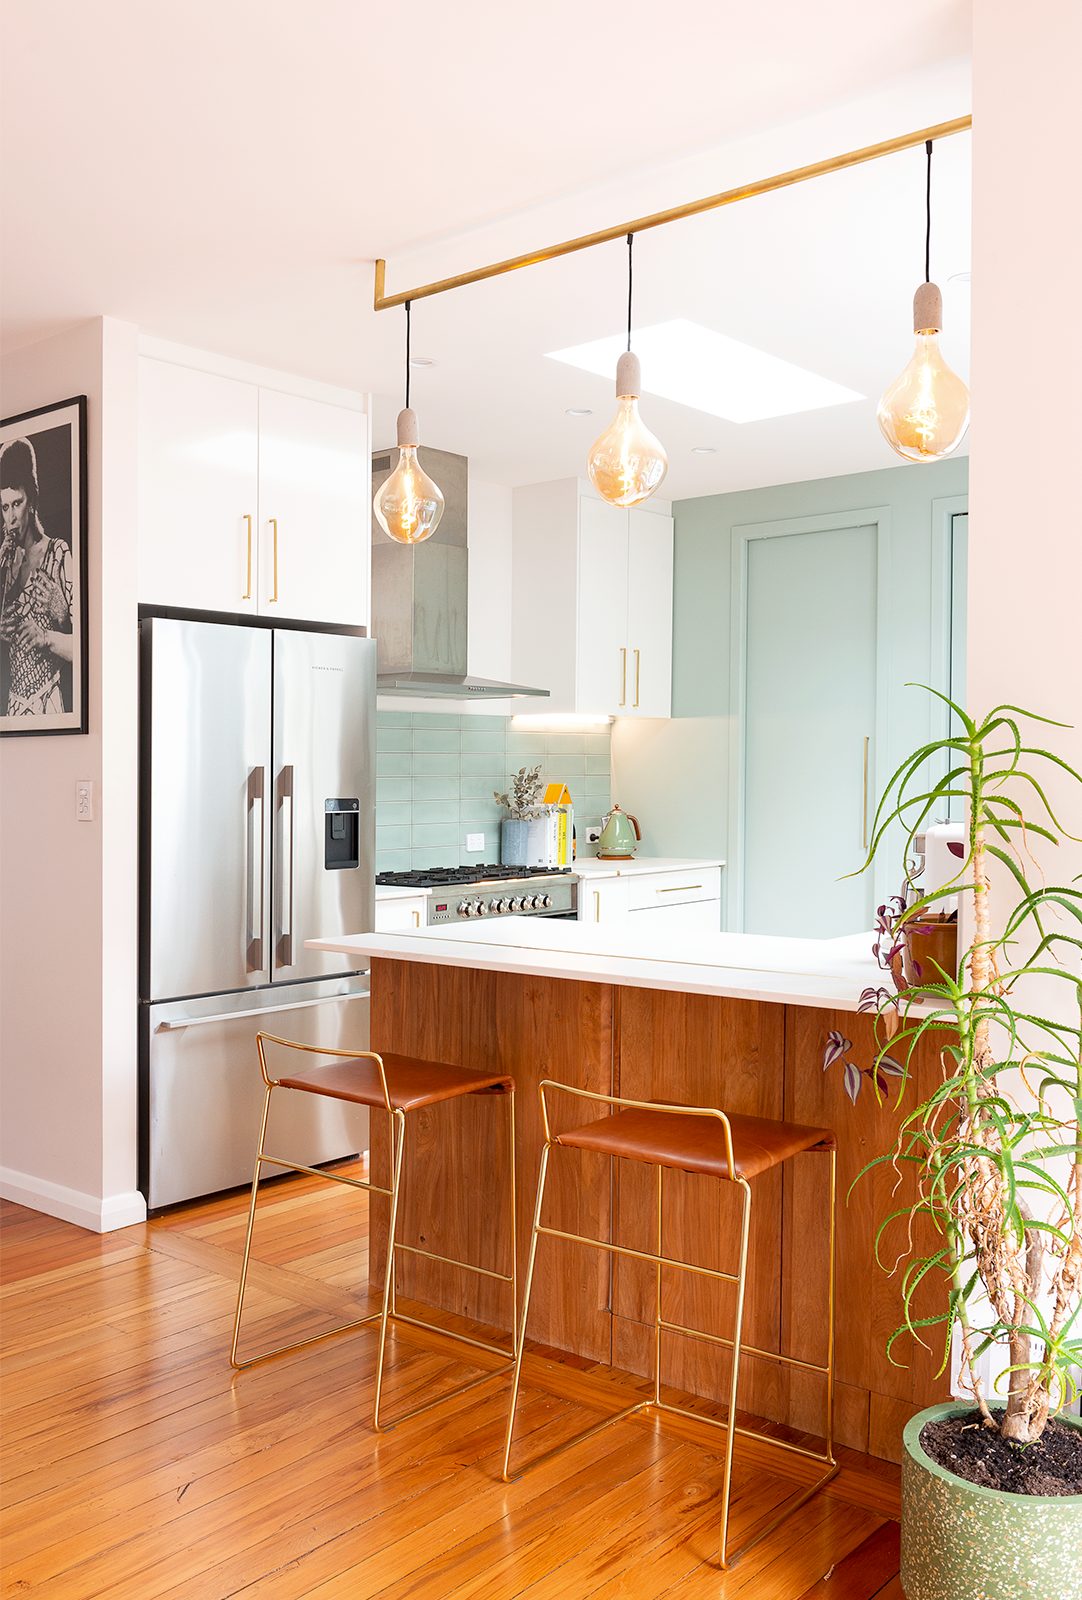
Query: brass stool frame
[[388, 1312], [655, 1402]]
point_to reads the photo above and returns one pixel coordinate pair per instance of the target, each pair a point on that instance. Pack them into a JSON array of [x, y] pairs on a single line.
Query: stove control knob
[[515, 903], [463, 908], [546, 901], [530, 903], [497, 906], [480, 909]]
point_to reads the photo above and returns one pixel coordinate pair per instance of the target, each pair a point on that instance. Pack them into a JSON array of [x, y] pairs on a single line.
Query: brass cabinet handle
[[416, 919], [274, 555], [247, 595], [679, 888], [864, 797], [623, 674], [597, 905], [638, 663]]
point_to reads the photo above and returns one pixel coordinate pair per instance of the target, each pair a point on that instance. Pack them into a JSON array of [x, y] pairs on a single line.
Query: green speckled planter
[[962, 1542]]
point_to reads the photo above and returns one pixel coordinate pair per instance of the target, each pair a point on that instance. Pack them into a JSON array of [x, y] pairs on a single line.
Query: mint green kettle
[[620, 836]]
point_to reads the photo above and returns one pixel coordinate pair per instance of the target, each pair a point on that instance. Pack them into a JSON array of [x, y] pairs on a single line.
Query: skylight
[[696, 367]]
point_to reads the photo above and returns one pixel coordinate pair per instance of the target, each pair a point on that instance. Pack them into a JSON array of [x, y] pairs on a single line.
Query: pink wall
[[1025, 586], [67, 888]]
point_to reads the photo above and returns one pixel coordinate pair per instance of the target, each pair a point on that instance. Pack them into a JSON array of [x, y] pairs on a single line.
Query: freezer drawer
[[203, 1095]]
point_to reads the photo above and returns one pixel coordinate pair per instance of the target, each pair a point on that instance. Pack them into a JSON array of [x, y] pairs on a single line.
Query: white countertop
[[595, 867], [806, 972]]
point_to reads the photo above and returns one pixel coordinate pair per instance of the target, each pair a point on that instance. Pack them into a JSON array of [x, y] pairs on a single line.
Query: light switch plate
[[84, 800], [475, 841]]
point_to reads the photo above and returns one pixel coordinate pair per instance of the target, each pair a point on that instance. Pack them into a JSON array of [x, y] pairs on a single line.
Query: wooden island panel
[[747, 1056], [876, 1396], [456, 1154], [709, 1051]]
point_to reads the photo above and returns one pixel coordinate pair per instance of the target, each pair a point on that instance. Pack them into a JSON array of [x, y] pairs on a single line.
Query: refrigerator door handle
[[286, 863], [176, 1023], [257, 862]]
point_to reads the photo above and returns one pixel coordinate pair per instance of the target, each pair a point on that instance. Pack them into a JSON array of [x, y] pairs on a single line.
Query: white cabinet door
[[314, 526], [649, 614], [603, 900], [400, 916], [198, 465], [603, 674]]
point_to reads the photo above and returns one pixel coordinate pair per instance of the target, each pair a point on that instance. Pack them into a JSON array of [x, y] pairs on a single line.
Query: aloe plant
[[996, 1148]]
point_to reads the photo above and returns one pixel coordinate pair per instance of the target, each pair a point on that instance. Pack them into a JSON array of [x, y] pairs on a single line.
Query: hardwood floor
[[137, 1465]]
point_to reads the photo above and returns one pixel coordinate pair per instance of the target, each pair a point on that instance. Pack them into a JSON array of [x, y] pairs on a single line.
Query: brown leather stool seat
[[411, 1083], [697, 1144], [396, 1086]]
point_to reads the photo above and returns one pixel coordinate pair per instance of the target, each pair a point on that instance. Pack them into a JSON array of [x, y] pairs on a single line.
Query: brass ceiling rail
[[658, 219]]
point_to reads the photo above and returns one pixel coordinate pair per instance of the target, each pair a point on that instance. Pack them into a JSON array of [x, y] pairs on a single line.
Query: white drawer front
[[648, 889]]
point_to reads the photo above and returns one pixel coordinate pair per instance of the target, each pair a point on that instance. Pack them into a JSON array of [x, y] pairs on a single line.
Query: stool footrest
[[450, 1261], [745, 1349], [321, 1172], [639, 1255]]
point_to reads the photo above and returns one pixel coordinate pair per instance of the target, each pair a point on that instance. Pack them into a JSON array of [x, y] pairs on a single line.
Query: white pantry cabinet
[[251, 499], [592, 601]]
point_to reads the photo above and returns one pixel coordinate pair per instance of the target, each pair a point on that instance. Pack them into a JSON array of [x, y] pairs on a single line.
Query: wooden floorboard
[[138, 1466]]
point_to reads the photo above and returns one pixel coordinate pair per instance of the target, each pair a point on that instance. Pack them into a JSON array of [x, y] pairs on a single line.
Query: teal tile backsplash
[[435, 776]]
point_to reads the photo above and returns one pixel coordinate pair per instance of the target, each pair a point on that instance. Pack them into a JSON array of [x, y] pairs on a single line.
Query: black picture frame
[[57, 499]]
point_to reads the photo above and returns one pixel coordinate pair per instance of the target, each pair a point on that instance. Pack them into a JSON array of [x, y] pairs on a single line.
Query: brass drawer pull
[[679, 888], [247, 595]]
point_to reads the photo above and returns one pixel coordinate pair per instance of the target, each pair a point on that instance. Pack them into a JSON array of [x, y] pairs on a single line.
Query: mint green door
[[809, 730]]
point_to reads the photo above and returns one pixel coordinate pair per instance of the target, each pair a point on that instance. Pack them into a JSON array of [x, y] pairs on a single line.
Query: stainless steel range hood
[[420, 597]]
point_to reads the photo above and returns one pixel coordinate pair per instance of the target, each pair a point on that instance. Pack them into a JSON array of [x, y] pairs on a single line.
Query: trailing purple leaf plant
[[838, 1046]]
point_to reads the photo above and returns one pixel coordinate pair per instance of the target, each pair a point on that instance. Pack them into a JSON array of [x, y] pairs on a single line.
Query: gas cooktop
[[496, 891], [452, 877]]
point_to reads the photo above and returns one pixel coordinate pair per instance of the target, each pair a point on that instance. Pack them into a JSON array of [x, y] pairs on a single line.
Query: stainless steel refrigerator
[[257, 757]]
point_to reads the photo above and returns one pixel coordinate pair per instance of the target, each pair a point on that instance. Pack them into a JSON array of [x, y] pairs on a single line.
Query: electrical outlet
[[84, 800], [475, 841], [593, 835]]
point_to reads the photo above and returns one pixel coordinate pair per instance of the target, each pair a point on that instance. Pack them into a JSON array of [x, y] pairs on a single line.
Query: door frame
[[743, 535]]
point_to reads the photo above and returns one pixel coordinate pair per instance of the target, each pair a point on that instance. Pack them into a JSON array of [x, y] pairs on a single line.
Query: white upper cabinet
[[198, 488], [313, 509], [251, 498], [649, 613], [592, 601]]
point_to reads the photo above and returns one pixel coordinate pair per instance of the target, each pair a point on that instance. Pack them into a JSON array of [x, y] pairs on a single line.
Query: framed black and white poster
[[43, 570]]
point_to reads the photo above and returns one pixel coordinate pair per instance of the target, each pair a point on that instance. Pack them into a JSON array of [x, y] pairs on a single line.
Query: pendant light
[[408, 505], [627, 463], [925, 412]]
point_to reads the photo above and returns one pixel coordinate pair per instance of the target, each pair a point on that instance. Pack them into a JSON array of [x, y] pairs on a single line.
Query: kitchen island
[[737, 1021]]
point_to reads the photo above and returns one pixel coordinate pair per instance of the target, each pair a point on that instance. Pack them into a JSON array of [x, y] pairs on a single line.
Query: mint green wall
[[653, 767], [701, 579]]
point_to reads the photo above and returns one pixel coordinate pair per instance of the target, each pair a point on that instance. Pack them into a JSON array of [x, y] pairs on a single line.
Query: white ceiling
[[222, 172]]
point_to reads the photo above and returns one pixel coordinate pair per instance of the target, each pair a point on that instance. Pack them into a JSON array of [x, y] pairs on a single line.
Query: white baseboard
[[98, 1215]]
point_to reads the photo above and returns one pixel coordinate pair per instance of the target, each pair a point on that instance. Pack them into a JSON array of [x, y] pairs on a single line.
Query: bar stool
[[716, 1144], [398, 1085]]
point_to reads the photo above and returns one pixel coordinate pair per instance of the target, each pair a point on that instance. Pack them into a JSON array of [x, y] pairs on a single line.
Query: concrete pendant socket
[[628, 376], [409, 432], [928, 309]]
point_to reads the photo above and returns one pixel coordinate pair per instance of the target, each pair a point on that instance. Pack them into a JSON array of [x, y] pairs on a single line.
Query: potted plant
[[518, 846], [992, 1487]]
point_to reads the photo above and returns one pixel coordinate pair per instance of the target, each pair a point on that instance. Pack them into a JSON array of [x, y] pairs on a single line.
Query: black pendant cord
[[928, 217], [407, 355], [630, 242]]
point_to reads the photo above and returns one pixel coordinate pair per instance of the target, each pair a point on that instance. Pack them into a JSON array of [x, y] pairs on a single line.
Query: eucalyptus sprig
[[997, 1146]]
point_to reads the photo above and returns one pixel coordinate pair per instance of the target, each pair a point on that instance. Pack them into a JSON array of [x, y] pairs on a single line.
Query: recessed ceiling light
[[710, 372], [704, 449], [422, 361], [579, 411]]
